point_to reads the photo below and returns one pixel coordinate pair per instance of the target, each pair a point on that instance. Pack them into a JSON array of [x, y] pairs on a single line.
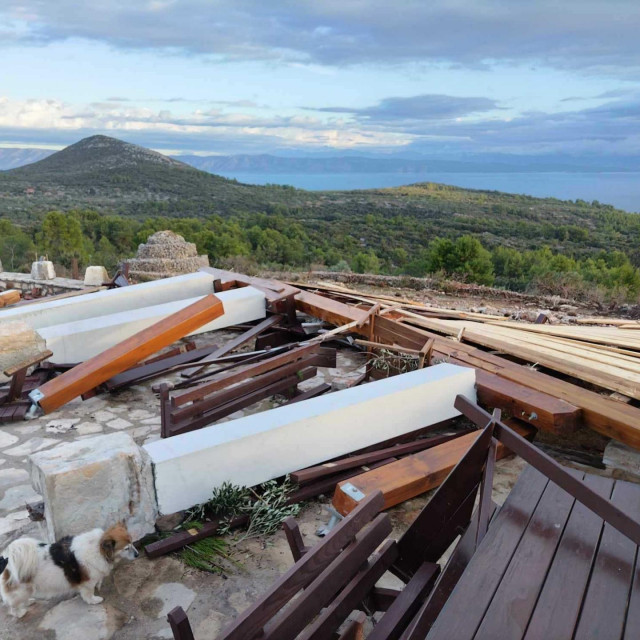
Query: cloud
[[422, 108], [599, 36], [424, 124]]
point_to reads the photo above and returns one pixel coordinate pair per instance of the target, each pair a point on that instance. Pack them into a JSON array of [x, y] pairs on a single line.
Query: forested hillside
[[98, 199]]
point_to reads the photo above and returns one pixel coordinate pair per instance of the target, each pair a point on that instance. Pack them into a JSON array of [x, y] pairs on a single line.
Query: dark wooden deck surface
[[548, 569]]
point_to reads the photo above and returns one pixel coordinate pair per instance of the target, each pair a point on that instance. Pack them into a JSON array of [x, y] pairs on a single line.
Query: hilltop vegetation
[[98, 199]]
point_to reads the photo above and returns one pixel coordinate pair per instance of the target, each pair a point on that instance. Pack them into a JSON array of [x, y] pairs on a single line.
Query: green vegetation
[[249, 242]]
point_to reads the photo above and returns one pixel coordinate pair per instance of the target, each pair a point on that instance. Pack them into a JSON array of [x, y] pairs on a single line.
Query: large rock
[[43, 270], [95, 276], [94, 483], [18, 342], [165, 254]]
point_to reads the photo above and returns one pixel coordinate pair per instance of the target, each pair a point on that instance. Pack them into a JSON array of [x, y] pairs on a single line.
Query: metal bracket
[[333, 521]]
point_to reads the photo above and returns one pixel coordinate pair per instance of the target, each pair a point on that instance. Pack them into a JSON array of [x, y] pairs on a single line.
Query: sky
[[433, 77]]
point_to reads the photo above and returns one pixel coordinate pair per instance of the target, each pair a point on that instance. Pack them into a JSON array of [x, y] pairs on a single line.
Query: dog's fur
[[32, 569]]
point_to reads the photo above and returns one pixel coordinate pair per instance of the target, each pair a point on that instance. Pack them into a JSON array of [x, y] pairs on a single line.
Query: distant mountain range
[[11, 158]]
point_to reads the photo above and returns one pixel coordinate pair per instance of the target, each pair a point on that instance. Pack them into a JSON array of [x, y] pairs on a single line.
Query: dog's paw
[[95, 600], [18, 613]]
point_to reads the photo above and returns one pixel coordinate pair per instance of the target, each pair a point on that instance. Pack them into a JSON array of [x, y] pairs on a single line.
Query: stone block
[[95, 276], [94, 483], [622, 461], [18, 342], [43, 270]]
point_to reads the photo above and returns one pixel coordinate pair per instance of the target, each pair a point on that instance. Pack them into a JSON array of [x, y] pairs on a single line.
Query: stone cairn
[[165, 254]]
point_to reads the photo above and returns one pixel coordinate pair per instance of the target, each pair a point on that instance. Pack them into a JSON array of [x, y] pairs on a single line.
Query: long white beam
[[92, 305], [267, 445], [78, 341]]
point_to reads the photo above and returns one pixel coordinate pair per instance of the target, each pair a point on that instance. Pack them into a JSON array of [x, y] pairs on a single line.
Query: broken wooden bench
[[583, 583], [234, 390]]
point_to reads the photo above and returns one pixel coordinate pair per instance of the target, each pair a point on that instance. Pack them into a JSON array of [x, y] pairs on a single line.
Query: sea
[[620, 189]]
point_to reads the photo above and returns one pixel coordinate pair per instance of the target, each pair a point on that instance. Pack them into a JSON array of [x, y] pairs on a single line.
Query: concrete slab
[[78, 341], [259, 447]]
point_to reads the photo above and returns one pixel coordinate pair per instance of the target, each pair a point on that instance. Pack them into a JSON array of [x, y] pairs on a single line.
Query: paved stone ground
[[139, 594]]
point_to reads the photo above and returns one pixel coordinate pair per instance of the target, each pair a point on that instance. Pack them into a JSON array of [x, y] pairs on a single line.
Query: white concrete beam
[[100, 303], [78, 341], [267, 445]]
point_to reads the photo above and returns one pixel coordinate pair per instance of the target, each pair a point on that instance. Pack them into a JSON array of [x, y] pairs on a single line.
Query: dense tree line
[[380, 245]]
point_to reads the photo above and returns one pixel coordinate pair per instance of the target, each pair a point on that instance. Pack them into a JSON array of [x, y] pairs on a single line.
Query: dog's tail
[[21, 557]]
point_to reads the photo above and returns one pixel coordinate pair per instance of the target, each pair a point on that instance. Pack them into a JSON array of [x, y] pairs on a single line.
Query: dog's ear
[[108, 548]]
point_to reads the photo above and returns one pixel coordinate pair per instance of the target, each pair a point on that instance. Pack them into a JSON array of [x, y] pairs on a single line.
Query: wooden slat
[[251, 621], [329, 468], [515, 597], [29, 362], [150, 370], [404, 607], [95, 371], [474, 591], [226, 380], [455, 566], [353, 593], [290, 622], [191, 423], [8, 297], [539, 409], [229, 346], [410, 476], [180, 624], [553, 616], [310, 393], [605, 604]]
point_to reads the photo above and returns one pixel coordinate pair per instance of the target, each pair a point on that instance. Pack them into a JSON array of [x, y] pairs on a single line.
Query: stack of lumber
[[606, 357], [10, 296]]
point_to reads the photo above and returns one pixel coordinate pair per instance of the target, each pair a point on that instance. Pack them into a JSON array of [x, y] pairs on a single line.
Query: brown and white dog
[[33, 569]]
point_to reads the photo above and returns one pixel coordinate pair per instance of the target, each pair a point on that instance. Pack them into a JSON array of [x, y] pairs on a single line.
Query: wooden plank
[[404, 607], [508, 614], [605, 604], [553, 616], [290, 622], [330, 468], [310, 393], [539, 409], [95, 371], [250, 622], [229, 346], [353, 593], [256, 369], [29, 362], [455, 566], [409, 477], [475, 589], [156, 368]]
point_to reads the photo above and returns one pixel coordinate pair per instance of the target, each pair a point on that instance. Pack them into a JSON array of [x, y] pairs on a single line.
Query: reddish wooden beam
[[96, 370]]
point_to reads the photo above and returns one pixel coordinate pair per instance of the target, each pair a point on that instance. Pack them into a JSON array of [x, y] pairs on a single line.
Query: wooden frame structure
[[337, 576]]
